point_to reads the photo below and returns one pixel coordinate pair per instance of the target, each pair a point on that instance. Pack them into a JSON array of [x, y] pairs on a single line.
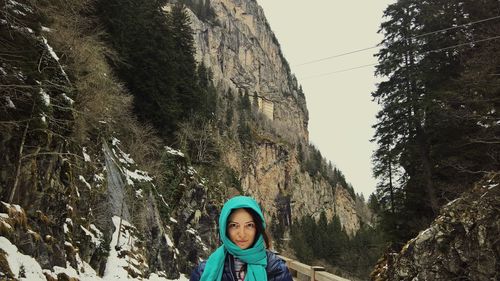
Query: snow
[[12, 3], [115, 266], [491, 186], [68, 99], [82, 179], [45, 97], [191, 171], [15, 206], [46, 29], [169, 242], [6, 225], [99, 177], [137, 175], [122, 156], [173, 151], [95, 240], [19, 12], [96, 230], [479, 123], [54, 55], [86, 157], [138, 193], [28, 267], [20, 263], [10, 104], [51, 51]]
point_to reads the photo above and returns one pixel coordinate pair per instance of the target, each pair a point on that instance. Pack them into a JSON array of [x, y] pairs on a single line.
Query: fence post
[[314, 269]]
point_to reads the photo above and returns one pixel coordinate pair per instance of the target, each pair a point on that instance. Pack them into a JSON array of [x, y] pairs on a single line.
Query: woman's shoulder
[[276, 265], [197, 271], [272, 257]]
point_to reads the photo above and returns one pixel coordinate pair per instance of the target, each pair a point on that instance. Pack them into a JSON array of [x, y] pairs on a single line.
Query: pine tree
[[438, 108], [141, 35], [400, 131], [185, 69]]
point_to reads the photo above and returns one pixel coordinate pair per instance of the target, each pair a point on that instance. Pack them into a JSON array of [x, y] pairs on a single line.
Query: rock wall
[[243, 53], [461, 244]]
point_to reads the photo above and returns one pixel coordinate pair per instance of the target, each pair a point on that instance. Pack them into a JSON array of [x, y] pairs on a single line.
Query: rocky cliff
[[461, 244], [244, 54]]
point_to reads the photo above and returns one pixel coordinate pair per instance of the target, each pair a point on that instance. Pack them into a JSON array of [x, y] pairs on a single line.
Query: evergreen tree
[[300, 244], [141, 35], [184, 64], [402, 126], [208, 93], [432, 108], [158, 65]]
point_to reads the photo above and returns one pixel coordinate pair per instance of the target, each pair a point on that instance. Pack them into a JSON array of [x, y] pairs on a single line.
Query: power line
[[453, 27], [430, 51], [463, 44], [339, 71], [335, 56], [413, 37]]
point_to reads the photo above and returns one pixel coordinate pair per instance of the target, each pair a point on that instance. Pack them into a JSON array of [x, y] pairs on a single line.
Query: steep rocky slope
[[461, 244], [244, 55]]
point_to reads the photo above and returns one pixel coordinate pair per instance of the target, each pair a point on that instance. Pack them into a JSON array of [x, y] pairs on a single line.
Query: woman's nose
[[242, 232]]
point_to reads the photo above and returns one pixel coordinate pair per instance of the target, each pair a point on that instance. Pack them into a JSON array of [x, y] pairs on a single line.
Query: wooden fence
[[304, 272]]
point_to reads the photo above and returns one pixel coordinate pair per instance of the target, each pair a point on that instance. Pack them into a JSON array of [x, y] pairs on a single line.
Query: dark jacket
[[276, 269]]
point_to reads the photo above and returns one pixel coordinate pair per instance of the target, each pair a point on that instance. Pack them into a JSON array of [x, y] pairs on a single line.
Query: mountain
[[91, 190], [244, 55]]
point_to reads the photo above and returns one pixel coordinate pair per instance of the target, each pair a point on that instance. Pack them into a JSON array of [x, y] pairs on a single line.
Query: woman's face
[[241, 228]]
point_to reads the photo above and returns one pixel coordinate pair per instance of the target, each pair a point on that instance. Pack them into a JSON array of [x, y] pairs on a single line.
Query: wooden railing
[[304, 272]]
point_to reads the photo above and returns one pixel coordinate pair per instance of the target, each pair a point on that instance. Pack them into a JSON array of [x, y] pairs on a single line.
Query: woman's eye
[[233, 225], [250, 225]]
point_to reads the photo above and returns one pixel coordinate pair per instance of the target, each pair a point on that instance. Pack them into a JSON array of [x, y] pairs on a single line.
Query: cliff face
[[244, 54], [461, 244]]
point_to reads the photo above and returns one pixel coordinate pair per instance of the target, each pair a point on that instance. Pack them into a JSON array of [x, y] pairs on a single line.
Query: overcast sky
[[341, 112]]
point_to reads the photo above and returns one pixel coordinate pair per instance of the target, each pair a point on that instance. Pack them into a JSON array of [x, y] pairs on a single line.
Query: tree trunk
[[19, 163]]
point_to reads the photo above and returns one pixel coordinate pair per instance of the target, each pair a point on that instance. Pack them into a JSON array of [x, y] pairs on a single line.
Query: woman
[[243, 254]]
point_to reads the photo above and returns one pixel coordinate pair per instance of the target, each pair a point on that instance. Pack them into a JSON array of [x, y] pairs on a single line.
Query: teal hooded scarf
[[255, 257]]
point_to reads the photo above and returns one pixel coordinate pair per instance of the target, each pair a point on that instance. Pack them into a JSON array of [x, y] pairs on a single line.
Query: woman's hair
[[259, 226]]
